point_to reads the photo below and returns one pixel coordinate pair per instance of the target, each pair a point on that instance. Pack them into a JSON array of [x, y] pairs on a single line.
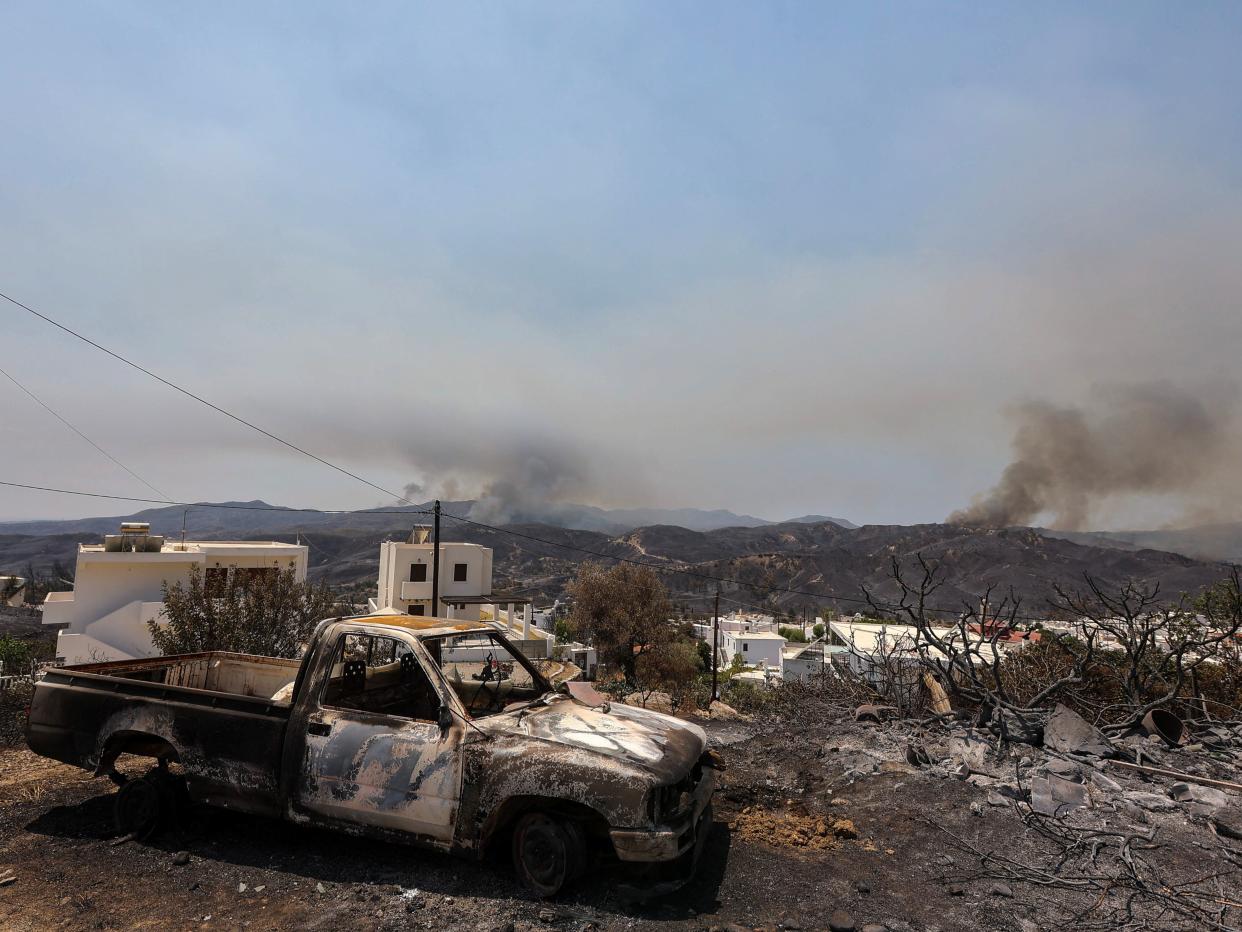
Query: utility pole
[[715, 643], [435, 563]]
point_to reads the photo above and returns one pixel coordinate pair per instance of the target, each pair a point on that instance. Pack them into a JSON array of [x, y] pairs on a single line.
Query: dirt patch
[[791, 829]]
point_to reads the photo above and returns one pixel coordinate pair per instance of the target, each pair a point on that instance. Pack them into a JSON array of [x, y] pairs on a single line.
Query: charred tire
[[140, 807], [146, 806], [548, 852]]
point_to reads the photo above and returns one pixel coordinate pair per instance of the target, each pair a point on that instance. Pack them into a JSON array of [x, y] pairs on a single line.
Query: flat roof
[[484, 600], [756, 635], [199, 546]]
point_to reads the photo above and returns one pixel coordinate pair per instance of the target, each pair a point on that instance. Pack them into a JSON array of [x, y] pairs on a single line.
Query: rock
[[1054, 796], [1017, 728], [976, 809], [873, 713], [241, 888], [11, 879], [1069, 733], [961, 771], [956, 889], [996, 799], [1152, 802], [844, 828], [874, 927], [1205, 795], [862, 887], [1026, 925], [260, 888], [722, 711], [547, 915], [1107, 784], [181, 858], [319, 888], [896, 766], [1228, 824], [841, 921], [1066, 770], [1001, 889], [970, 751]]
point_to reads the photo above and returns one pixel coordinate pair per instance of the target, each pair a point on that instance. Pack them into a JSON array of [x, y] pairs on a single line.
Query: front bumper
[[672, 841]]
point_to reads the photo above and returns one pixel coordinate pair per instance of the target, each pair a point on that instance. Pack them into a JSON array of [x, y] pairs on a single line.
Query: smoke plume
[[1145, 439]]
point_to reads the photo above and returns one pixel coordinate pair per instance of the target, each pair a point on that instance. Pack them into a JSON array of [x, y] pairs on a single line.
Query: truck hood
[[664, 746]]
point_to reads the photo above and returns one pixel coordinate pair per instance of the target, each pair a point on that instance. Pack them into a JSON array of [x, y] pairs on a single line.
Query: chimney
[[420, 534]]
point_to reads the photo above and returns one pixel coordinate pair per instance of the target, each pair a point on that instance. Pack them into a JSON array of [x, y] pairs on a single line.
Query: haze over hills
[[825, 562], [223, 518], [1206, 542]]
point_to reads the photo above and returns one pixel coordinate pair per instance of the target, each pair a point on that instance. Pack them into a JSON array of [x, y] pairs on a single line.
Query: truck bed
[[213, 671], [214, 713]]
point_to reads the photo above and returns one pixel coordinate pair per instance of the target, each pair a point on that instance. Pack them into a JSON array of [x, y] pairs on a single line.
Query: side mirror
[[446, 717]]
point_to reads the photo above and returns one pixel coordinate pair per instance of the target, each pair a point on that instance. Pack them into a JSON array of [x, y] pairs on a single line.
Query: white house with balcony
[[405, 582], [119, 586], [756, 648]]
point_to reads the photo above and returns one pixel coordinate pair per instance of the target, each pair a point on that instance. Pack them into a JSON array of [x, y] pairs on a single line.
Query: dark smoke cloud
[[1146, 439]]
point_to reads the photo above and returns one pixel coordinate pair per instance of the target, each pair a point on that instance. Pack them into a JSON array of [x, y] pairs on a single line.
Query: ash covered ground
[[821, 822]]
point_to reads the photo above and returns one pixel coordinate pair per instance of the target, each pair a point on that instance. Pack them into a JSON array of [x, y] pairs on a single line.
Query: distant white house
[[756, 648], [802, 662], [118, 587]]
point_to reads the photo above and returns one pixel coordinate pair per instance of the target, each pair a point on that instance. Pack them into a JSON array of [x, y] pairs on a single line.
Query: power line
[[203, 401], [52, 411]]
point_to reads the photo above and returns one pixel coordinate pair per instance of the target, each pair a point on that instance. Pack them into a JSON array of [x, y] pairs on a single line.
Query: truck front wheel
[[547, 852]]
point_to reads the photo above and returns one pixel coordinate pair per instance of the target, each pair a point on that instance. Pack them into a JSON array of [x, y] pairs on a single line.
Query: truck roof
[[422, 625]]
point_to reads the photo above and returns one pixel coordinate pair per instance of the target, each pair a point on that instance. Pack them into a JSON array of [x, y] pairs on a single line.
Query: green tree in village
[[624, 611], [270, 613], [672, 668]]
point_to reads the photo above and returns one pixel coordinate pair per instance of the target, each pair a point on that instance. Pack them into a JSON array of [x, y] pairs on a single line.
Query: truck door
[[375, 753]]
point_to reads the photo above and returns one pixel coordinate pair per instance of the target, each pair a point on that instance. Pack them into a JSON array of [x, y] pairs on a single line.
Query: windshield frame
[[538, 679]]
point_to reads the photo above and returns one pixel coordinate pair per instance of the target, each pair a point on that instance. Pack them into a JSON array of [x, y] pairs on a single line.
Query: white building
[[803, 662], [756, 648], [405, 577], [118, 587]]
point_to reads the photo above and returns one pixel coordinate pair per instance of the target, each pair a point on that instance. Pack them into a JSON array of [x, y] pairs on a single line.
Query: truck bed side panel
[[229, 746]]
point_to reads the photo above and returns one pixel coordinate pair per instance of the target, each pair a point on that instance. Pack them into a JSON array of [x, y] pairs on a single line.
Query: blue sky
[[780, 258]]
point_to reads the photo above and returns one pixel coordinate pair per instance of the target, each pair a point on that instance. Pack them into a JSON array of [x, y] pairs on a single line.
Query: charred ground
[[818, 816]]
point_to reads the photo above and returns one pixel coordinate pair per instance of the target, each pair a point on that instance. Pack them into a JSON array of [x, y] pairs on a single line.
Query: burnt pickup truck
[[423, 730]]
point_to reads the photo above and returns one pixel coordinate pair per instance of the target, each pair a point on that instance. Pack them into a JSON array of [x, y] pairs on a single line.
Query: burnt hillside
[[829, 561]]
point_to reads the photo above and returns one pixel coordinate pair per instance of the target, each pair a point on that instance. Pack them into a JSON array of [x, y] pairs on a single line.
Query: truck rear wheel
[[145, 806], [547, 852], [139, 807]]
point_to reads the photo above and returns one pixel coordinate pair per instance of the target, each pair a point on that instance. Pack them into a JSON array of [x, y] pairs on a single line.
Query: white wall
[[753, 651], [397, 592], [115, 594]]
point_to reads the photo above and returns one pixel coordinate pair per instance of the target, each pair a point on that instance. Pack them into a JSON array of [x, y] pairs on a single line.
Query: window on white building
[[418, 572], [459, 572]]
